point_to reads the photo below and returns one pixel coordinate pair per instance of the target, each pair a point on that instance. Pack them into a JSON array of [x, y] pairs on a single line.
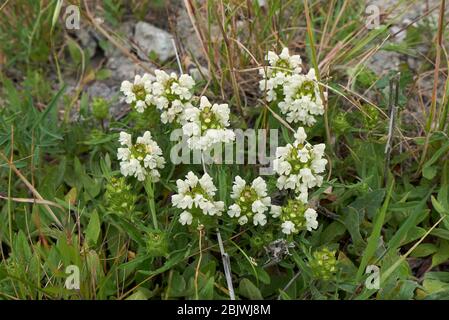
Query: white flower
[[302, 99], [275, 211], [196, 195], [300, 165], [259, 219], [172, 95], [258, 207], [296, 216], [277, 74], [311, 216], [283, 63], [141, 159], [139, 93], [125, 139], [259, 186], [207, 125], [234, 210], [237, 187], [243, 220], [185, 218], [251, 201], [288, 227], [298, 95], [301, 136]]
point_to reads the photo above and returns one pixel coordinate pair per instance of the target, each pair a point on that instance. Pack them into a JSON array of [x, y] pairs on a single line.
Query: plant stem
[[149, 187], [197, 270]]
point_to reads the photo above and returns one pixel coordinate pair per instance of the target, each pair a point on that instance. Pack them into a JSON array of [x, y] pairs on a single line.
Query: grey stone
[[124, 33], [384, 61], [87, 40], [187, 36], [152, 39], [124, 68]]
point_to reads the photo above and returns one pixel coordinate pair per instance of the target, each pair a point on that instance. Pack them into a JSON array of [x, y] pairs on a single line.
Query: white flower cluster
[[141, 159], [139, 93], [196, 195], [295, 216], [251, 201], [207, 125], [297, 94], [278, 72], [170, 94], [302, 99], [299, 165]]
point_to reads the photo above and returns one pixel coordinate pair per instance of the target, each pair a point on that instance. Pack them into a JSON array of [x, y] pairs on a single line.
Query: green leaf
[[352, 220], [177, 285], [93, 229], [207, 291], [249, 290], [75, 51], [56, 13], [440, 233], [429, 172], [284, 296], [140, 294], [22, 251], [332, 231], [373, 239], [443, 196], [403, 234], [424, 250], [170, 263], [103, 74], [50, 107], [442, 254], [440, 208], [434, 286]]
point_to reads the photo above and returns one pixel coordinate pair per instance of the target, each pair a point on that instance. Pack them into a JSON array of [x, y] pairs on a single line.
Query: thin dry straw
[[393, 106], [177, 56], [226, 266]]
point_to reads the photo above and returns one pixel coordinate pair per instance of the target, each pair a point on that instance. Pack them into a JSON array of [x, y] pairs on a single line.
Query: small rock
[[87, 40], [152, 39], [124, 68], [99, 89], [187, 36], [398, 33], [109, 93], [384, 61], [125, 32]]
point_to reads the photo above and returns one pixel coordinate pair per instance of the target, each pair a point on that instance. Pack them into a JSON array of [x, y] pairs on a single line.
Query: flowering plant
[[251, 202], [223, 150], [141, 159], [196, 195], [207, 125], [299, 165]]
